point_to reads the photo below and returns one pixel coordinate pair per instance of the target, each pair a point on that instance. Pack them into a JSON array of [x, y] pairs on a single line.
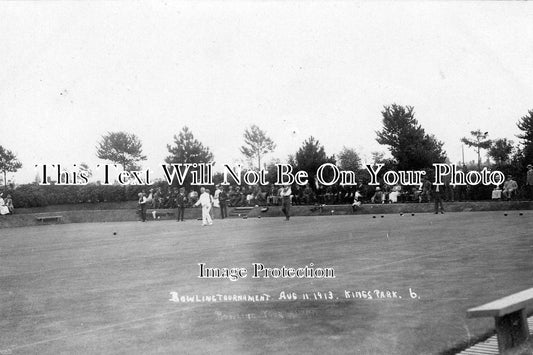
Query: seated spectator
[[249, 197], [497, 193], [328, 196], [259, 196], [242, 196], [297, 194], [167, 200], [3, 208], [272, 198], [416, 194], [393, 196], [9, 204], [232, 196], [308, 192], [509, 187]]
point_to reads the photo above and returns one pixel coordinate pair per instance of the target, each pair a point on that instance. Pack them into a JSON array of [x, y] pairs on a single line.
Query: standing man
[[223, 202], [142, 206], [285, 195], [181, 202], [216, 196], [211, 214], [437, 195], [205, 201], [529, 181]]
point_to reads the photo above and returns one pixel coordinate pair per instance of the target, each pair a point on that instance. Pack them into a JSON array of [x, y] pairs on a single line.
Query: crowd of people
[[168, 197], [274, 195]]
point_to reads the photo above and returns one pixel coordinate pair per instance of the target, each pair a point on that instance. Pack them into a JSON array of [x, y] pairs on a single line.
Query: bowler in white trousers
[[206, 201]]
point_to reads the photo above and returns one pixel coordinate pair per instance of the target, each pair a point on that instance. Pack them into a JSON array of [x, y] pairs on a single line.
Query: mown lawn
[[79, 288]]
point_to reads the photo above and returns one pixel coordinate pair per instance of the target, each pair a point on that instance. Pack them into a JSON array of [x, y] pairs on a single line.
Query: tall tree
[[500, 150], [478, 141], [309, 158], [377, 157], [408, 142], [121, 148], [256, 144], [525, 124], [8, 163], [85, 168], [349, 159], [187, 149]]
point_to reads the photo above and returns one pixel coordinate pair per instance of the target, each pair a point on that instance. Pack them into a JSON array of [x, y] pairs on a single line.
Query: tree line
[[409, 145]]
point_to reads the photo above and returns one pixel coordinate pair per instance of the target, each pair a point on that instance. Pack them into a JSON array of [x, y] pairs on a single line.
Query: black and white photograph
[[266, 177]]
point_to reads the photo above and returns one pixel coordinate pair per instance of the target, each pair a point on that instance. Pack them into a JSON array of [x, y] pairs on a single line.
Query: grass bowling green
[[402, 284]]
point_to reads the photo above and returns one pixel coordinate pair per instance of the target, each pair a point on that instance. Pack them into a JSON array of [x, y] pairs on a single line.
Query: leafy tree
[[121, 148], [408, 142], [479, 141], [349, 159], [526, 126], [188, 149], [257, 144], [310, 157], [377, 157], [271, 170], [432, 149], [8, 163], [500, 150], [85, 168]]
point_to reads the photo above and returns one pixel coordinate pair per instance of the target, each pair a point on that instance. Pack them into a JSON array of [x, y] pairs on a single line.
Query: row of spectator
[[237, 196]]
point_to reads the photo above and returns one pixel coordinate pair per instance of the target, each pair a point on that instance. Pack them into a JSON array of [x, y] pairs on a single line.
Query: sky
[[73, 71]]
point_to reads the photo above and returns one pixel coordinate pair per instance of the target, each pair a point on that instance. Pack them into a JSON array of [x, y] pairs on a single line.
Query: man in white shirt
[[285, 195], [206, 202]]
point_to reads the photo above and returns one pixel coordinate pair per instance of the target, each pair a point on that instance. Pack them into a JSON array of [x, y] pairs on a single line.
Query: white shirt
[[204, 200], [286, 193]]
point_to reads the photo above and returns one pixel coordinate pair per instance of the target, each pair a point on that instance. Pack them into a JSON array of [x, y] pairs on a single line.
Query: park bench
[[48, 218], [510, 318]]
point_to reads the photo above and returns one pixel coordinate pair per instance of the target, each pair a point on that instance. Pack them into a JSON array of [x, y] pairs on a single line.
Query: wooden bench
[[49, 218], [510, 318]]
